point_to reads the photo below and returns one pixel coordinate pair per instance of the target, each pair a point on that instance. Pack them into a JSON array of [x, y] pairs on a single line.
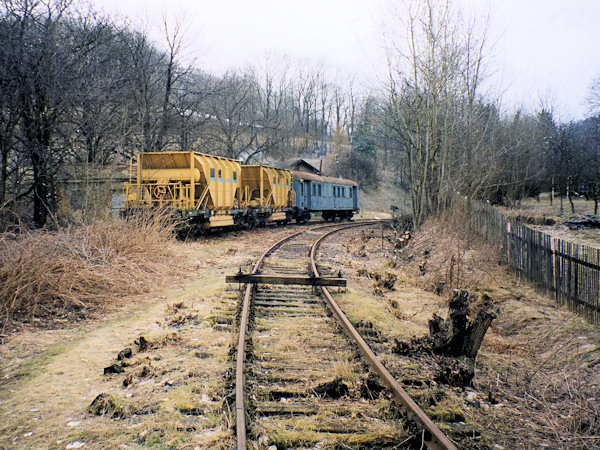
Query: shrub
[[78, 270]]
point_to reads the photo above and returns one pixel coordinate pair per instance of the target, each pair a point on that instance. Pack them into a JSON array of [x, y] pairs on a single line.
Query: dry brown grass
[[387, 194], [446, 254], [538, 361], [50, 377], [78, 270], [545, 206]]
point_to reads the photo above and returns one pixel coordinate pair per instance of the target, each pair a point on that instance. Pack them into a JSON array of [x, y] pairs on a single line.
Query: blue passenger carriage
[[334, 198]]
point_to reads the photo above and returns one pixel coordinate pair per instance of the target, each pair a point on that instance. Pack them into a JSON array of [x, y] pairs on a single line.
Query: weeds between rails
[[309, 394]]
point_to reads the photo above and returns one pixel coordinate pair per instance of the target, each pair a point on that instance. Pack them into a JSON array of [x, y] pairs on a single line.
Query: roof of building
[[297, 164]]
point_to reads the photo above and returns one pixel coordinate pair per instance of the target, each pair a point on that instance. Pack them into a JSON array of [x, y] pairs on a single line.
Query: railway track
[[300, 378]]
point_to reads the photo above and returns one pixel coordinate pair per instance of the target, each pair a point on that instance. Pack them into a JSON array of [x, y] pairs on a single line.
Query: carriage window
[[314, 189], [220, 176], [319, 190], [343, 192], [212, 174], [234, 177]]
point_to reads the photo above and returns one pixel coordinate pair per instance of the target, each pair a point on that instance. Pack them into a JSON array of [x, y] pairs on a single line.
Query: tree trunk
[[561, 204], [165, 107], [570, 196], [40, 190], [3, 176], [38, 140]]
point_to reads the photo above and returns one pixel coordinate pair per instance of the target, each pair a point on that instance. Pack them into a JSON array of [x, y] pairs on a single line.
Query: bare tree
[[9, 114], [173, 74], [144, 65], [274, 117], [46, 66], [594, 96], [433, 84], [231, 130], [96, 113], [189, 118], [590, 142]]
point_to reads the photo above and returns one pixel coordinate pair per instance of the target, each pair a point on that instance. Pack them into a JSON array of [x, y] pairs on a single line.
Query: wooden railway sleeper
[[432, 436]]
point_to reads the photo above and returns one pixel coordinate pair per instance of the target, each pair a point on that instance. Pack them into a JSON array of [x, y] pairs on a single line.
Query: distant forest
[[80, 94]]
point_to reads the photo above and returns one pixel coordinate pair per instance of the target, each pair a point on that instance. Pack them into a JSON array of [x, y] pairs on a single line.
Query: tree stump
[[463, 332]]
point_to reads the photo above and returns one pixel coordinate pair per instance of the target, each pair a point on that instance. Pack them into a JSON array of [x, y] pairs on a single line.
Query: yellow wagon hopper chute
[[267, 191], [202, 187]]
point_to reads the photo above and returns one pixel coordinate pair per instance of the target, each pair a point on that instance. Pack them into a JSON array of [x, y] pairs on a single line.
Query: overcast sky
[[546, 51]]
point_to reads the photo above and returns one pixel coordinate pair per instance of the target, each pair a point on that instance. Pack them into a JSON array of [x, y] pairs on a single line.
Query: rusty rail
[[433, 436], [240, 412]]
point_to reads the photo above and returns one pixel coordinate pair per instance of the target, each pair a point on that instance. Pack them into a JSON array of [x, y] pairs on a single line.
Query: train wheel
[[252, 222]]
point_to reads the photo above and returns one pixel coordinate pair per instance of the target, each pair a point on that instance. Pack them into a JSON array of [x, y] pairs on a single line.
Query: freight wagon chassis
[[344, 214]]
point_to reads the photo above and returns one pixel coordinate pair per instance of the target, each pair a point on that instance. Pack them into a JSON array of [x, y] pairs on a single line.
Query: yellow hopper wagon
[[204, 189], [266, 195]]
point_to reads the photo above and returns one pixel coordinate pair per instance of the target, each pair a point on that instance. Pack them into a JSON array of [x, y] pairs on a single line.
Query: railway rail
[[296, 350]]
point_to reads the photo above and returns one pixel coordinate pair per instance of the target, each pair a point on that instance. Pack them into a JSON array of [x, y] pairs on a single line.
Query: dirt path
[[50, 378]]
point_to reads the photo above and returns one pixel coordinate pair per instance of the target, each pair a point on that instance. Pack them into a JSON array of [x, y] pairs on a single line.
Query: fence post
[[510, 263], [554, 267]]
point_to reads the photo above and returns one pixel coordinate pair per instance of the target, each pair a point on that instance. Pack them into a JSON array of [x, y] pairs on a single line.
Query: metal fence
[[570, 271]]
